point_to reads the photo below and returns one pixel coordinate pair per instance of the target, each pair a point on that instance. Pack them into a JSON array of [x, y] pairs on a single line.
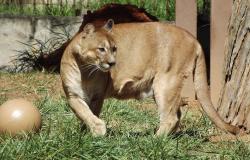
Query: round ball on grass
[[19, 115]]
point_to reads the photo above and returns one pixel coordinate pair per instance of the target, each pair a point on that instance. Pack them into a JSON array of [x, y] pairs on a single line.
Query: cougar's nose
[[111, 63]]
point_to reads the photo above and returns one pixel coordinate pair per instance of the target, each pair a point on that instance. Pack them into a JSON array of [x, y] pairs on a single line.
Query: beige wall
[[186, 17], [220, 14]]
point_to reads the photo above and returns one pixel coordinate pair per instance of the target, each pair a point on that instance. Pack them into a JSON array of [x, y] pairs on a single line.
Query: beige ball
[[19, 115]]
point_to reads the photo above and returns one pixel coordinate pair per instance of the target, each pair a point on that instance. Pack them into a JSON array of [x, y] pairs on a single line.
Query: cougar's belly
[[134, 94], [145, 93], [135, 89]]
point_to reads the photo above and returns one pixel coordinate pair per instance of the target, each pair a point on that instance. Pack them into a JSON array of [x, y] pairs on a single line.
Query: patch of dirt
[[31, 86], [230, 137]]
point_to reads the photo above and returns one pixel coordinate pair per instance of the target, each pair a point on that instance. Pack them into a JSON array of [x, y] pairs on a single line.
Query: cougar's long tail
[[203, 94]]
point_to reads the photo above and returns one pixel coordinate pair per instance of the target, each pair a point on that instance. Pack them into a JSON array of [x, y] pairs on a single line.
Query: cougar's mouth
[[105, 67]]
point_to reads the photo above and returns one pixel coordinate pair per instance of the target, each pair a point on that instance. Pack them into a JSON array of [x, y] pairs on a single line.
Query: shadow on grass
[[190, 133], [114, 132]]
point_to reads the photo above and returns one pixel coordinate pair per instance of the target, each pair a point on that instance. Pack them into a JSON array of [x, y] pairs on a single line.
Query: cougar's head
[[96, 48]]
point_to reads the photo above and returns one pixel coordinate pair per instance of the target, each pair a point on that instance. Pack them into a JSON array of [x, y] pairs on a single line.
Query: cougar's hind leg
[[167, 90]]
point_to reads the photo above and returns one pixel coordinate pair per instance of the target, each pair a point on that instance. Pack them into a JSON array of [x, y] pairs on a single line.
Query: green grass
[[130, 133], [29, 10], [130, 136], [156, 8]]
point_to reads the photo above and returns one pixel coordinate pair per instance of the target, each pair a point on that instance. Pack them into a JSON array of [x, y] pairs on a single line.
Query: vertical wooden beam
[[186, 17], [220, 14]]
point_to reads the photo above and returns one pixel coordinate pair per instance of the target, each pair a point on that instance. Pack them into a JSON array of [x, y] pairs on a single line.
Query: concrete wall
[[14, 30]]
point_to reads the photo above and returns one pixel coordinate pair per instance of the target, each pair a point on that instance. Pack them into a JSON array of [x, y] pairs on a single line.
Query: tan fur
[[152, 59]]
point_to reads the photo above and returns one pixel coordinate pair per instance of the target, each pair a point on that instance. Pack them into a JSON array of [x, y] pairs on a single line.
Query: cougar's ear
[[109, 25], [89, 28]]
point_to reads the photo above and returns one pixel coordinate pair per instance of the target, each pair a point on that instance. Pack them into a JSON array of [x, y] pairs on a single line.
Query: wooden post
[[220, 14], [186, 17]]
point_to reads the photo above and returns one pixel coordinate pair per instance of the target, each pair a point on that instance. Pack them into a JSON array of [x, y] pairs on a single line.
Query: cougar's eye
[[101, 49], [114, 49]]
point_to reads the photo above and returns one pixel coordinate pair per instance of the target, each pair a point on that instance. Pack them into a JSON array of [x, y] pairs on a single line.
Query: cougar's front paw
[[99, 128], [167, 128], [162, 131]]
